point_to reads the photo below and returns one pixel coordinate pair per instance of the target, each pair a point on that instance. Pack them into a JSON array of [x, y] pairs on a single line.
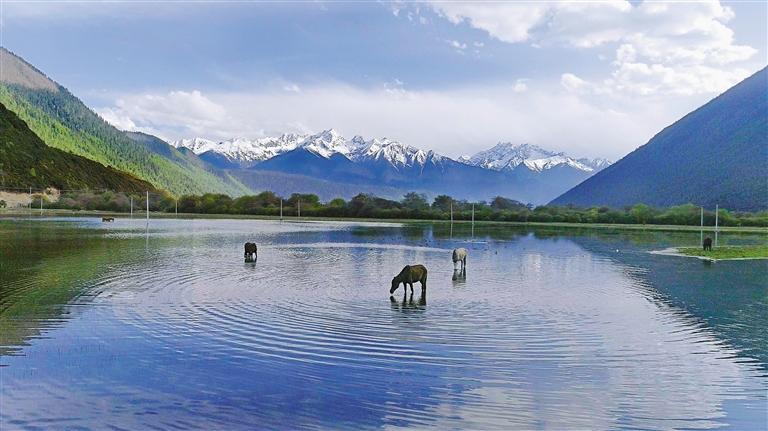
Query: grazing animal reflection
[[707, 244], [103, 219], [251, 252], [459, 276], [460, 255], [408, 304], [409, 275]]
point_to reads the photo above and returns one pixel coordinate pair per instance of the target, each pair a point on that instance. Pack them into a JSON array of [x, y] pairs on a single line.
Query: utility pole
[[701, 229], [717, 210], [147, 208], [177, 208], [473, 222], [299, 202], [281, 209], [131, 206]]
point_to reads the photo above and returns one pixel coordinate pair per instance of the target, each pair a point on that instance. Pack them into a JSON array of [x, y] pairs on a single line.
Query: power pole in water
[[701, 230], [473, 222], [281, 210], [717, 210], [147, 209], [299, 202]]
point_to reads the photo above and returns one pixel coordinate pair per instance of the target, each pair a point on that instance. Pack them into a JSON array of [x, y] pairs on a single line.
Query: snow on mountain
[[243, 150], [505, 155], [595, 163], [197, 145], [394, 152], [329, 142]]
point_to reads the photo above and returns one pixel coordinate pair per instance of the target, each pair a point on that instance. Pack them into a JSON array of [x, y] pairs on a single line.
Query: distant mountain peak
[[327, 143], [396, 153], [508, 156]]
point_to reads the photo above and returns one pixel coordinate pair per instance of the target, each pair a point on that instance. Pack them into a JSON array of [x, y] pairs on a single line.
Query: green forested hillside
[[207, 176], [62, 121], [25, 161]]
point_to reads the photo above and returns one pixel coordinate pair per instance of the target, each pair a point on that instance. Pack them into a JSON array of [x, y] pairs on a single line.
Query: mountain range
[[525, 172], [716, 155]]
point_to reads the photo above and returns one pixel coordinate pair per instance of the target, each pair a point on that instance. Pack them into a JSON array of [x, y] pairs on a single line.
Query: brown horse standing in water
[[251, 251], [103, 219], [409, 275]]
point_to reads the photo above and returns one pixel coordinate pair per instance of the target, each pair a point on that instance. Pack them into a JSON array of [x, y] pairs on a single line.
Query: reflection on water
[[551, 329]]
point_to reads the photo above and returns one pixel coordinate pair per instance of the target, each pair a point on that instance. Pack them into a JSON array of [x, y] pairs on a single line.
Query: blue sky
[[589, 78]]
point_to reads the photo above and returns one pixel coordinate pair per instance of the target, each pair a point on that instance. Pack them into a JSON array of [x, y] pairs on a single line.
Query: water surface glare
[[115, 326]]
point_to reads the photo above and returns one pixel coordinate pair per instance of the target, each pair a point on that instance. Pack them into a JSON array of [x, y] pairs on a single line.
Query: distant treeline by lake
[[412, 206]]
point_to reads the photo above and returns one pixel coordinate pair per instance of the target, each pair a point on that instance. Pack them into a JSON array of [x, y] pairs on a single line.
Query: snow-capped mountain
[[523, 172], [507, 156], [326, 144], [241, 150], [396, 153], [596, 163], [246, 153]]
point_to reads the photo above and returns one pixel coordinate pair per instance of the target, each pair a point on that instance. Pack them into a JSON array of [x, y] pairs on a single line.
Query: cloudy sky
[[591, 78]]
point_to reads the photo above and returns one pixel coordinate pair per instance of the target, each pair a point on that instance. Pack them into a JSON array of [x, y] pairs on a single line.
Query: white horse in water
[[460, 255]]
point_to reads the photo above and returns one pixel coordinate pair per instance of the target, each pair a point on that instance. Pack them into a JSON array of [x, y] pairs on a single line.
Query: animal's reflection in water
[[459, 276], [408, 304]]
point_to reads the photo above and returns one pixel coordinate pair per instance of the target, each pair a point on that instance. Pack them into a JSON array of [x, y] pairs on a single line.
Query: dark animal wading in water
[[107, 219], [409, 275], [460, 255], [250, 251], [707, 244]]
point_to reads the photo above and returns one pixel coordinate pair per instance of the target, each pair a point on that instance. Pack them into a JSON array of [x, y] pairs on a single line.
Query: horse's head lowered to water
[[409, 275]]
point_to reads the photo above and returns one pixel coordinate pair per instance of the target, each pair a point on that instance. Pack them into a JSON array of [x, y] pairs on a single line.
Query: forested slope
[[26, 161], [62, 121]]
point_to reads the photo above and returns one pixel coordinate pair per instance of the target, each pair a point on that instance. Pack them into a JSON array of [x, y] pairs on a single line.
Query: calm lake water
[[116, 326]]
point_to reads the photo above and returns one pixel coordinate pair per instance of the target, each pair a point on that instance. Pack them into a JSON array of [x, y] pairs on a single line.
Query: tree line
[[412, 206]]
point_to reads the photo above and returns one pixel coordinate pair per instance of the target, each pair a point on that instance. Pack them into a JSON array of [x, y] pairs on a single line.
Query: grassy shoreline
[[727, 252], [25, 213], [746, 252]]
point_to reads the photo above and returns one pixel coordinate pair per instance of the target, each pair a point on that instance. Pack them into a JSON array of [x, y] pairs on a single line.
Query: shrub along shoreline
[[413, 206]]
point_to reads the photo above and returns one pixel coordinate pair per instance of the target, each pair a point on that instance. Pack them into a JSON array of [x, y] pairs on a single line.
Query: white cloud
[[664, 48], [177, 110], [456, 44], [117, 117], [506, 21], [520, 85], [293, 88]]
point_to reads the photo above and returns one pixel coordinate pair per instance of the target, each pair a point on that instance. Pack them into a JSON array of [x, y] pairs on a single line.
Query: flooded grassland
[[120, 325]]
